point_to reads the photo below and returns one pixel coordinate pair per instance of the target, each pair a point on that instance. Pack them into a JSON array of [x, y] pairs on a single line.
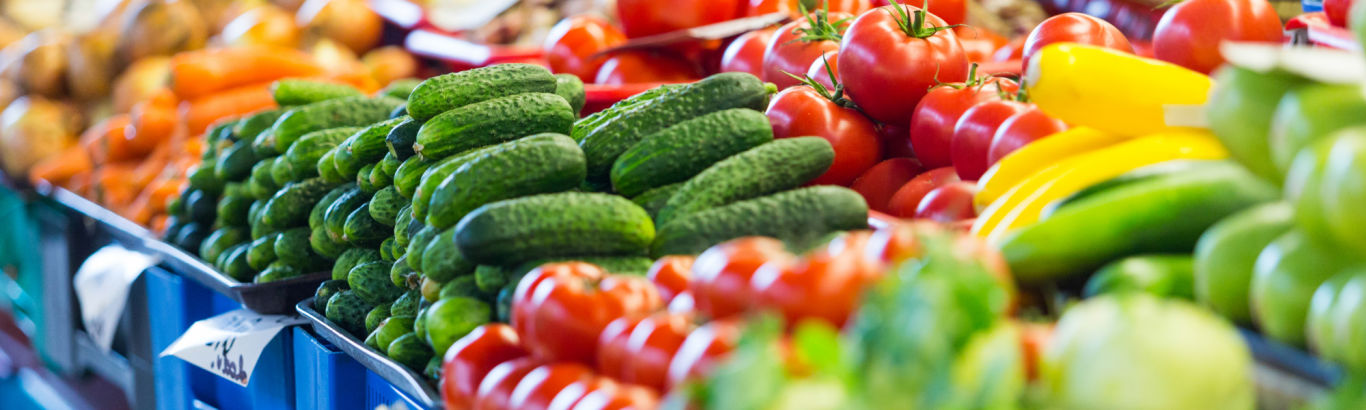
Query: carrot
[[80, 183], [112, 187], [153, 122], [106, 136], [153, 166], [153, 200], [57, 170], [202, 112], [160, 223], [199, 73]]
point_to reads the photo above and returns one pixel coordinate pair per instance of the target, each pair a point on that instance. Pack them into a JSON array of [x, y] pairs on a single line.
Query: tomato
[[495, 391], [907, 198], [639, 350], [1011, 51], [721, 275], [1074, 28], [641, 18], [897, 242], [1337, 11], [619, 397], [979, 43], [952, 11], [893, 141], [572, 394], [746, 53], [682, 303], [799, 43], [655, 66], [571, 44], [472, 357], [825, 70], [834, 275], [887, 70], [880, 182], [540, 386], [560, 309], [1020, 130], [1190, 32], [803, 111], [951, 202], [671, 275], [761, 7], [973, 133], [702, 350], [931, 134]]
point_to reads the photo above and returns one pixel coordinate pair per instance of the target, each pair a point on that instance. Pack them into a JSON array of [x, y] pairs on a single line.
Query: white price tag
[[102, 284], [229, 344], [461, 15]]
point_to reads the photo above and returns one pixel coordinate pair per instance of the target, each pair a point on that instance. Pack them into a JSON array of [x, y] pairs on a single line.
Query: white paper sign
[[102, 284], [461, 15], [229, 344]]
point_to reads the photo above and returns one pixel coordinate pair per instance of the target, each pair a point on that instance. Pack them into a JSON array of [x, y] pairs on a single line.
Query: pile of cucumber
[[428, 211]]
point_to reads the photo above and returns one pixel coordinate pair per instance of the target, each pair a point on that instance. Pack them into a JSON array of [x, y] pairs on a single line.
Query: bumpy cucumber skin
[[303, 156], [292, 91], [350, 259], [537, 164], [451, 91], [290, 207], [409, 175], [319, 210], [551, 225], [362, 230], [570, 87], [442, 260], [401, 138], [681, 151], [365, 146], [385, 205], [798, 216], [592, 121], [437, 173], [776, 166], [492, 122], [341, 112]]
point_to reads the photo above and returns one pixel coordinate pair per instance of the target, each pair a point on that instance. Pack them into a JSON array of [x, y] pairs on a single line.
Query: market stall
[[699, 204]]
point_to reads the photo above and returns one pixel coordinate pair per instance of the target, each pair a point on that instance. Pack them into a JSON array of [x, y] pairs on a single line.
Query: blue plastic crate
[[173, 304], [380, 392], [324, 376]]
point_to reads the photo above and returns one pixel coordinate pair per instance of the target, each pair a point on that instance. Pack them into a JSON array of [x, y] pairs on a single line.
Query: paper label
[[229, 344], [101, 286]]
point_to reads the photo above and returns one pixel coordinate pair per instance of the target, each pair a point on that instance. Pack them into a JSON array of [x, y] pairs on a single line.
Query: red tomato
[[641, 18], [887, 70], [882, 180], [721, 275], [746, 53], [495, 391], [974, 131], [893, 141], [571, 44], [951, 202], [1337, 11], [619, 397], [1020, 130], [761, 7], [472, 357], [572, 394], [540, 386], [671, 275], [560, 309], [1011, 51], [1074, 28], [823, 68], [803, 111], [834, 275], [682, 303], [1190, 32], [979, 43], [907, 198], [898, 242], [639, 351], [935, 116], [630, 67], [702, 350], [952, 11], [799, 43]]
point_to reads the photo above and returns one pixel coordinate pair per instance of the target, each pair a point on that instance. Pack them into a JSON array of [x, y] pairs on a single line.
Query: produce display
[[950, 204]]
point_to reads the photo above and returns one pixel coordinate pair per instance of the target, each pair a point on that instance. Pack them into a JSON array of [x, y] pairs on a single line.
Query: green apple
[[1310, 113], [1337, 319], [1344, 188], [1226, 253], [1284, 279], [1240, 111]]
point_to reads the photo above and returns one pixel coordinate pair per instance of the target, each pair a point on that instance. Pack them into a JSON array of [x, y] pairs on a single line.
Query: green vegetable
[[570, 87], [401, 138], [450, 319], [341, 112], [277, 271], [678, 152], [409, 175], [491, 122], [324, 245], [362, 230], [773, 167], [325, 292], [235, 163], [371, 282], [319, 211], [220, 240], [537, 164], [592, 121], [386, 204], [376, 315], [563, 224], [441, 258], [294, 248], [1284, 279], [290, 207], [1226, 253], [799, 216], [447, 92], [1170, 276], [261, 252], [366, 146], [351, 258], [304, 155], [289, 92], [655, 199], [410, 351], [1240, 110]]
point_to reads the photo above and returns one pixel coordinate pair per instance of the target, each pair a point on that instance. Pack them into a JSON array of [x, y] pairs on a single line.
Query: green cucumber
[[402, 223], [592, 121], [325, 292], [386, 250], [304, 154], [434, 175], [551, 225], [235, 264], [365, 147], [570, 87], [461, 287], [235, 163], [401, 274], [261, 252], [205, 178], [386, 204], [537, 164], [362, 230], [389, 165], [334, 218], [376, 315], [401, 138], [352, 258], [776, 166], [681, 151], [290, 207], [418, 243], [324, 245], [348, 310], [410, 351], [220, 240], [249, 128], [407, 304], [326, 168], [447, 92], [294, 91], [655, 199], [341, 112], [363, 180], [400, 88], [234, 210], [798, 217], [391, 329], [492, 122], [371, 282], [282, 171], [409, 175], [319, 210], [450, 319], [441, 259], [379, 179], [293, 248], [277, 271]]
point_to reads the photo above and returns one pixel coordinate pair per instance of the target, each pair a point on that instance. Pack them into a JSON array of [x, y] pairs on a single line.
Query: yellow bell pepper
[[1023, 204], [1038, 155], [1110, 90]]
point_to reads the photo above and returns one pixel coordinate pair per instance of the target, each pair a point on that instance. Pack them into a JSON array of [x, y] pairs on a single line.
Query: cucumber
[[381, 180], [386, 204], [410, 351], [570, 87], [402, 223], [461, 287], [363, 180], [234, 210], [202, 207], [293, 91], [386, 249], [249, 128], [419, 324], [325, 292], [799, 216], [376, 315], [281, 171], [352, 258], [441, 259], [327, 170], [324, 245], [431, 289], [364, 147], [277, 271], [488, 279], [362, 230], [537, 164], [407, 304], [391, 329], [294, 248], [400, 111], [290, 207], [433, 370], [235, 163], [348, 310], [400, 88], [604, 143], [319, 210], [260, 173], [334, 218], [592, 121], [450, 319], [221, 262], [401, 138], [341, 112], [220, 240], [551, 225], [435, 174], [402, 275], [503, 303], [371, 282], [1165, 276], [447, 92], [205, 178], [655, 199], [304, 154], [235, 265], [491, 122], [389, 165], [418, 243], [776, 166], [409, 175], [261, 252], [681, 151]]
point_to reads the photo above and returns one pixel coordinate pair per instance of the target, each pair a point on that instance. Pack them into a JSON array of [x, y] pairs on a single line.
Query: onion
[[262, 25], [38, 63], [140, 81], [32, 129], [390, 63], [349, 22], [91, 66], [161, 27]]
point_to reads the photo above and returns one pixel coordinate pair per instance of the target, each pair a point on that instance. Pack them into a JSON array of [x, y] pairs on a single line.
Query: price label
[[229, 344], [461, 15], [101, 286]]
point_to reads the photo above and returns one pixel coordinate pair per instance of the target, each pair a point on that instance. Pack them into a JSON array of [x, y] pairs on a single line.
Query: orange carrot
[[153, 122], [57, 170], [201, 112], [199, 73], [106, 136], [160, 223], [153, 166], [112, 187]]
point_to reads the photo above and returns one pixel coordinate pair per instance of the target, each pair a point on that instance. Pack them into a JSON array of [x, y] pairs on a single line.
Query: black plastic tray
[[269, 298], [1291, 360], [407, 381]]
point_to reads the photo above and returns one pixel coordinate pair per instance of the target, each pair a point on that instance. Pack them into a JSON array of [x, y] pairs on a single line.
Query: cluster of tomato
[[583, 338]]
